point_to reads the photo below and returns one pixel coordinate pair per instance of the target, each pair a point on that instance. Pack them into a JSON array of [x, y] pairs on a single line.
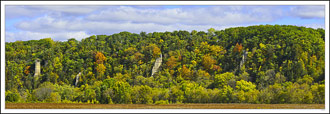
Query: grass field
[[152, 106]]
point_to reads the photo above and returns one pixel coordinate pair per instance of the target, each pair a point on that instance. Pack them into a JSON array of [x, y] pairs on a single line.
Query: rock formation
[[158, 62], [77, 79], [243, 58], [37, 68]]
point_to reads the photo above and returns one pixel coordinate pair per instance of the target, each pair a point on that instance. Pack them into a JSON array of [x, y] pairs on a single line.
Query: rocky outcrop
[[77, 79], [37, 68], [244, 56], [158, 62]]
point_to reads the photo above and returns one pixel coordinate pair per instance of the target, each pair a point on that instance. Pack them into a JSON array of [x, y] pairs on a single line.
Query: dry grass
[[152, 106]]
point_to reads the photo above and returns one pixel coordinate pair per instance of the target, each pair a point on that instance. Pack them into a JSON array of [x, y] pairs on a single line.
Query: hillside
[[255, 64]]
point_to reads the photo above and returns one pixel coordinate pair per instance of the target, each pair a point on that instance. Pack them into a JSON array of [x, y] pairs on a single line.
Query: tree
[[279, 78], [221, 80], [54, 97], [27, 70], [306, 79], [12, 96], [176, 95], [284, 64], [226, 94], [122, 92], [172, 62], [245, 86], [208, 62], [273, 94], [142, 95], [100, 69], [211, 31], [186, 73], [44, 92], [246, 92], [100, 58], [318, 91], [151, 50], [238, 48], [299, 93]]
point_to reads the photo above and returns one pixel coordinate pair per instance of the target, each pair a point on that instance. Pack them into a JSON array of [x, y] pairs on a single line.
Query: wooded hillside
[[282, 64]]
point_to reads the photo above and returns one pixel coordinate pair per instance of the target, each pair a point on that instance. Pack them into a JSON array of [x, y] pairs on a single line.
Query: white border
[[3, 3]]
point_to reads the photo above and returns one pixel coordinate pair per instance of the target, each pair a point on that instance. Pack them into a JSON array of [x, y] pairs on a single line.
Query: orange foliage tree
[[27, 70], [238, 48], [100, 68], [172, 62]]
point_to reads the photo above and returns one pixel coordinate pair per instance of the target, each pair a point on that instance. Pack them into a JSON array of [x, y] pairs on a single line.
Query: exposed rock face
[[243, 58], [158, 62], [77, 79], [37, 68]]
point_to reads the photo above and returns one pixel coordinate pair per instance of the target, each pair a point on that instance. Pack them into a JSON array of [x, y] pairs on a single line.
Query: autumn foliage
[[238, 48], [282, 64], [100, 58], [208, 62], [172, 62], [27, 70]]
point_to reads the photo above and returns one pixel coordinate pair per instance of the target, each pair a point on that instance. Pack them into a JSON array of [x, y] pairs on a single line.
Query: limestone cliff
[[77, 79], [158, 62], [37, 68]]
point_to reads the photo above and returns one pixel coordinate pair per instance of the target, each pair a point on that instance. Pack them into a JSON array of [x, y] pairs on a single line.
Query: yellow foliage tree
[[100, 68], [208, 62], [100, 58], [186, 72], [156, 51]]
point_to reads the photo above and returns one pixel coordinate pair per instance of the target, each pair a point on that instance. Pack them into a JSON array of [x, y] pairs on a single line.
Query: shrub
[[161, 102], [12, 96]]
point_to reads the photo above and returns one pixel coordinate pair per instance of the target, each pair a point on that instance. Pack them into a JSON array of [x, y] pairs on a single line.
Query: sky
[[33, 22]]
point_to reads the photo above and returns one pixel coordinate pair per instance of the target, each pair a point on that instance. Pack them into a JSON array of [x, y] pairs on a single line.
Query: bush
[[162, 102], [54, 97], [12, 96], [142, 94], [44, 92]]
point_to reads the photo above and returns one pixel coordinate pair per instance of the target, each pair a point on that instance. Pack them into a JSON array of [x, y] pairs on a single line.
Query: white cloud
[[64, 22], [68, 9], [219, 15], [26, 35], [314, 26], [130, 14], [16, 11], [45, 24], [308, 11], [51, 25], [20, 11]]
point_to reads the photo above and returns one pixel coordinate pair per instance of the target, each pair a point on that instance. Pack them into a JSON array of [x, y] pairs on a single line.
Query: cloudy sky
[[64, 22]]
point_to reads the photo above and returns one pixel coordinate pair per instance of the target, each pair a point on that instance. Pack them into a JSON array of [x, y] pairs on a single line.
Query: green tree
[[221, 80]]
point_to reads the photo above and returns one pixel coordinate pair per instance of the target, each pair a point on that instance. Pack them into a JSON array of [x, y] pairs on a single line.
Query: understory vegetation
[[271, 64]]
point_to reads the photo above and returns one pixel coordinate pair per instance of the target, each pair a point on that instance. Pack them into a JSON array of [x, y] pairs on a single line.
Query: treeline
[[255, 64]]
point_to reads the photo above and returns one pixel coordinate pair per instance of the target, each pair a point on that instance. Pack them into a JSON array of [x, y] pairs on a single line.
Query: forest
[[262, 64]]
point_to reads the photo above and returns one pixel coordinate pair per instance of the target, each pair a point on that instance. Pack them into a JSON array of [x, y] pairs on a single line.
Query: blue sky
[[64, 22]]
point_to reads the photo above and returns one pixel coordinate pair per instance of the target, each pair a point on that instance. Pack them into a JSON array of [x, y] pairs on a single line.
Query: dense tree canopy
[[255, 64]]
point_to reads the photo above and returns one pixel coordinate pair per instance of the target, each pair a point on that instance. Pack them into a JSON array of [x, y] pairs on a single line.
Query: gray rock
[[158, 62], [77, 79], [37, 68]]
